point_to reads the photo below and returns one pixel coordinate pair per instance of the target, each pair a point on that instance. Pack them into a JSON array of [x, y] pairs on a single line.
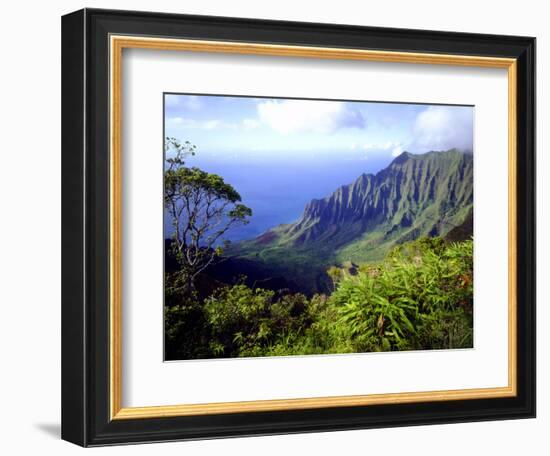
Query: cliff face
[[416, 195], [424, 191]]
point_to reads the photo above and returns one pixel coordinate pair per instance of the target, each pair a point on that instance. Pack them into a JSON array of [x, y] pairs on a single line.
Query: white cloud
[[250, 124], [291, 116], [435, 128], [181, 121], [443, 128], [193, 124], [212, 124], [396, 148]]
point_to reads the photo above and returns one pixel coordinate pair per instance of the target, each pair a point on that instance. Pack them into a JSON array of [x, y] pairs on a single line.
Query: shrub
[[419, 297]]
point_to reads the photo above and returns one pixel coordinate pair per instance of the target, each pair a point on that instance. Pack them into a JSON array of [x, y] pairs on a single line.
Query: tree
[[202, 206]]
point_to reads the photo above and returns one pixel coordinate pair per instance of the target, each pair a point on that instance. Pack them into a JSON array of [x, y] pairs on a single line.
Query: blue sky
[[266, 129], [279, 154]]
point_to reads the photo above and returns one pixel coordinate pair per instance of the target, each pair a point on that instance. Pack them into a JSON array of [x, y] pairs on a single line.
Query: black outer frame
[[85, 227]]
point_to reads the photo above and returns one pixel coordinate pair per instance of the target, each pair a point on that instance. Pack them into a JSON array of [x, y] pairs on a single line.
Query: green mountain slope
[[416, 195]]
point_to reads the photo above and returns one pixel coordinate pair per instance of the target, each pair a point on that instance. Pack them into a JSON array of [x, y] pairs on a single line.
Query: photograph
[[315, 226], [272, 226]]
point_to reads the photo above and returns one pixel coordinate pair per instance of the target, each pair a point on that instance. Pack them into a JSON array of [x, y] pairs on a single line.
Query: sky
[[279, 153], [267, 129]]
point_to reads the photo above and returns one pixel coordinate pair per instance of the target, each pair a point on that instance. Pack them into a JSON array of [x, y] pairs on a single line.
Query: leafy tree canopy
[[202, 206]]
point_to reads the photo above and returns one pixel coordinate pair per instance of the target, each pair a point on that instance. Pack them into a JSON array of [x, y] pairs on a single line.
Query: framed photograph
[[279, 227]]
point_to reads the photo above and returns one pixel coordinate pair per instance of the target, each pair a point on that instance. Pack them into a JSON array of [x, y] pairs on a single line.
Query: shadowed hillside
[[416, 195]]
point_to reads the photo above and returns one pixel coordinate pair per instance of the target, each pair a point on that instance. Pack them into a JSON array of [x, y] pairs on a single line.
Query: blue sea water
[[278, 191]]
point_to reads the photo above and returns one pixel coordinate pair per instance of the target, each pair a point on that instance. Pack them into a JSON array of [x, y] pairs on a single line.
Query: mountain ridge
[[415, 195]]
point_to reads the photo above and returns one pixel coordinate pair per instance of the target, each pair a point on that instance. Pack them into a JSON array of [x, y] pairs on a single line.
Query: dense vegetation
[[410, 288], [419, 297], [416, 195]]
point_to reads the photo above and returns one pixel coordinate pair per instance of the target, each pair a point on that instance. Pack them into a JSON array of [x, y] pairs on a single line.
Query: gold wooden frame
[[117, 44]]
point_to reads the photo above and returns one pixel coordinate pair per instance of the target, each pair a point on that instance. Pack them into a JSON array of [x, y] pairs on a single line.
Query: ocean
[[278, 190]]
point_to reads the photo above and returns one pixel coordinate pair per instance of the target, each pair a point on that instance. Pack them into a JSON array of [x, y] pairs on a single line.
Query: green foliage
[[193, 181], [202, 208], [186, 332], [246, 322], [180, 150], [419, 297], [420, 195]]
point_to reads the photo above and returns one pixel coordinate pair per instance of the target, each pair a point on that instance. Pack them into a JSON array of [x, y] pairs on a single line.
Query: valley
[[416, 195]]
